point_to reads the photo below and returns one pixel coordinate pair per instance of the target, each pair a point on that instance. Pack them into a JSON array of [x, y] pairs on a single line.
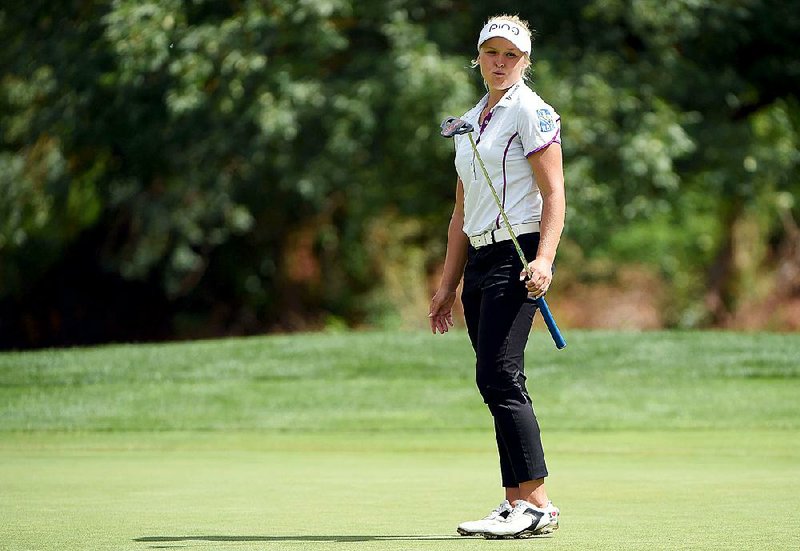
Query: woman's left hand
[[541, 274]]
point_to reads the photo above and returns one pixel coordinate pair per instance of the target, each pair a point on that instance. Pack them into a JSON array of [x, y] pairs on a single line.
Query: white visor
[[506, 29]]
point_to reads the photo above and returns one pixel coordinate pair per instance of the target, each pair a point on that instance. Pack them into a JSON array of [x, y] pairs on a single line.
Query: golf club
[[453, 126]]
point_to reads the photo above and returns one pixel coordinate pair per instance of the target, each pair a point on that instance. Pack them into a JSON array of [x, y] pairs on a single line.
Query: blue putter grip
[[551, 323]]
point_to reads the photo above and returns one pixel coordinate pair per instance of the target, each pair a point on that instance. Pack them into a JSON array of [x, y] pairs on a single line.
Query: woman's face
[[501, 63]]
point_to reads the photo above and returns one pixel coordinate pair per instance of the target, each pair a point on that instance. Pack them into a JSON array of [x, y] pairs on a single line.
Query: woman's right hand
[[440, 313]]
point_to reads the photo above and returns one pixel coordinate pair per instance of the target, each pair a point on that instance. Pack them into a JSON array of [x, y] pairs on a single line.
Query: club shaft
[[540, 302], [500, 206]]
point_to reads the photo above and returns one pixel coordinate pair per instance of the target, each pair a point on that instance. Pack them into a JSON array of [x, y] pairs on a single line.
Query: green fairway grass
[[664, 440]]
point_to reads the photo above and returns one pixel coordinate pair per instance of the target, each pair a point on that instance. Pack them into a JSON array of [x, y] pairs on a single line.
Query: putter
[[453, 126]]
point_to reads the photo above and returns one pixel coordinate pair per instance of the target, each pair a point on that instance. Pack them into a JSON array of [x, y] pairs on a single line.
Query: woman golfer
[[518, 137]]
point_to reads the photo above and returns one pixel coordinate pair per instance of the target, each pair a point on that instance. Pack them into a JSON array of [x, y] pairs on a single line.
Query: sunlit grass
[[379, 441], [403, 381]]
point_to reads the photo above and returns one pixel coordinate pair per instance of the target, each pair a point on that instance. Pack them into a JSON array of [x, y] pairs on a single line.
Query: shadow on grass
[[296, 539]]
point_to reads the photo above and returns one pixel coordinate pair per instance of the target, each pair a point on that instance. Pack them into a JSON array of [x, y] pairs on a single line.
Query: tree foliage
[[185, 168]]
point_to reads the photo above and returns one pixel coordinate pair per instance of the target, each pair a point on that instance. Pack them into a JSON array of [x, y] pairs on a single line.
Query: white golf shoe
[[524, 521], [478, 527]]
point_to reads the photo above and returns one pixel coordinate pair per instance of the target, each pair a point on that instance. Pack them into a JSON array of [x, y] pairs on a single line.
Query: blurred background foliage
[[178, 169]]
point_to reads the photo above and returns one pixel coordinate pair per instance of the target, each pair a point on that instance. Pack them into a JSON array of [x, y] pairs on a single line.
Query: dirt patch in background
[[773, 314], [632, 301]]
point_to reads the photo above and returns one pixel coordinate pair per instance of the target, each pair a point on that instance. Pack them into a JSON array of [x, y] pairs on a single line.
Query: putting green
[[379, 440], [371, 490]]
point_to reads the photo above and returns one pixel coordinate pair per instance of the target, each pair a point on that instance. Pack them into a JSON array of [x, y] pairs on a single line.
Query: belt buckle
[[481, 240]]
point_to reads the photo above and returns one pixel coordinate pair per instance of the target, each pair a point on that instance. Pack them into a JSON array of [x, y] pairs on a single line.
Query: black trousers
[[499, 314]]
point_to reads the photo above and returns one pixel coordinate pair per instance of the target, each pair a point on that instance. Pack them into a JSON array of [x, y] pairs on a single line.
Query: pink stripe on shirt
[[505, 182], [556, 139]]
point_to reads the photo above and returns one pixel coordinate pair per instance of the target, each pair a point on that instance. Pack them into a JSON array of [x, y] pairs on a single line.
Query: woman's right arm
[[441, 309]]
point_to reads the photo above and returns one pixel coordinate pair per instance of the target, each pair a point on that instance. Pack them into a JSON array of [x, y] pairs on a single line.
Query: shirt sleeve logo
[[546, 123]]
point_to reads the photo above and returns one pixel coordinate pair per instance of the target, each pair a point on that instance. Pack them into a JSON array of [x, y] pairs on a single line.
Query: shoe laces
[[496, 512], [521, 507], [518, 510]]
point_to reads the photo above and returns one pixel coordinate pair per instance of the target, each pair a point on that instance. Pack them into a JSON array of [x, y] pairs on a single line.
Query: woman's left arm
[[548, 169]]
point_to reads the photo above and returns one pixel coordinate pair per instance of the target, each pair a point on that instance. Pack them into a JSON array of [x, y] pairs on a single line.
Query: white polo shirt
[[519, 125]]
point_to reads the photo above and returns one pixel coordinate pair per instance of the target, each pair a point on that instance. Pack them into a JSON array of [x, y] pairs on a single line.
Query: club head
[[452, 126]]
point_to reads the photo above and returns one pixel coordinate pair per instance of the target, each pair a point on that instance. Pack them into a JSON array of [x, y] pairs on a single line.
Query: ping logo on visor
[[508, 30], [514, 29]]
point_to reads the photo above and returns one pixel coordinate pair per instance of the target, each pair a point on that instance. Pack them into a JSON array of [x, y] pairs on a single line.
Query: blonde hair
[[527, 73]]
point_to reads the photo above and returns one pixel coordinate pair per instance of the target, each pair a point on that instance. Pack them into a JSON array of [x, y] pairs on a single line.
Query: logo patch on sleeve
[[546, 122]]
